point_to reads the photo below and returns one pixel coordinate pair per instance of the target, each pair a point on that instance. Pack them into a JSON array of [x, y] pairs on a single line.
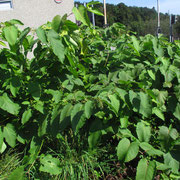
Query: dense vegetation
[[138, 19], [85, 103]]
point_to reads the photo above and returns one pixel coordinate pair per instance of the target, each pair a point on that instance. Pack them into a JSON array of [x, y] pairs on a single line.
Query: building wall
[[34, 13]]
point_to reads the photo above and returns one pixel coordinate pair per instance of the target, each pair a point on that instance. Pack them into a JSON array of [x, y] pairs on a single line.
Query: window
[[6, 5]]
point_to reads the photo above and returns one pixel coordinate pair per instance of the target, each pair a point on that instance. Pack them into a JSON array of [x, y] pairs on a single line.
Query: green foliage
[[81, 15], [127, 151], [143, 132], [8, 105], [93, 86], [57, 46], [9, 134], [50, 165], [17, 173], [10, 165], [11, 34], [145, 170]]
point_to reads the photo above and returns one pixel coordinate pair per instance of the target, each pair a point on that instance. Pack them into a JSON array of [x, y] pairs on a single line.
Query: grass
[[8, 162], [76, 161]]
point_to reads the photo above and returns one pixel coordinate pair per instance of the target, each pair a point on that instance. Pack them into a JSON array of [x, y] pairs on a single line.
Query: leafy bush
[[94, 86]]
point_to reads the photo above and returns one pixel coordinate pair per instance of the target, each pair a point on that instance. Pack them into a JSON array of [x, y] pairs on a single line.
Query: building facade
[[34, 13]]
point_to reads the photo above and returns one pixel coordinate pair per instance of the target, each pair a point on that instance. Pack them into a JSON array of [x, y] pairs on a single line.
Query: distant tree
[[142, 20]]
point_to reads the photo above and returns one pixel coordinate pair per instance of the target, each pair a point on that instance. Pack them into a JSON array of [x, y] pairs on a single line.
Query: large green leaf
[[54, 122], [158, 113], [41, 35], [43, 124], [3, 148], [71, 25], [57, 95], [26, 116], [132, 151], [145, 107], [24, 34], [140, 103], [177, 111], [57, 45], [143, 132], [95, 11], [50, 164], [126, 133], [150, 150], [122, 94], [135, 101], [65, 116], [161, 96], [88, 109], [115, 103], [56, 23], [92, 3], [172, 163], [151, 74], [9, 134], [11, 34], [81, 15], [15, 21], [162, 166], [18, 173], [166, 137], [145, 170], [39, 106], [77, 117], [78, 82], [124, 121], [157, 48], [127, 151], [35, 146], [15, 85], [136, 44], [94, 138], [174, 134], [8, 105]]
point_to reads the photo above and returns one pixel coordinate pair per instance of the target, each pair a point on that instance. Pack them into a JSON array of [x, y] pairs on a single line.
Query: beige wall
[[34, 13]]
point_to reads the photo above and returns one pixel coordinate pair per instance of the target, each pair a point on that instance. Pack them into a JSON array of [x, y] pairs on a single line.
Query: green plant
[[92, 86], [9, 162]]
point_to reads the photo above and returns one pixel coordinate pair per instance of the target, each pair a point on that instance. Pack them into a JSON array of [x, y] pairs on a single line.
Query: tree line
[[141, 20]]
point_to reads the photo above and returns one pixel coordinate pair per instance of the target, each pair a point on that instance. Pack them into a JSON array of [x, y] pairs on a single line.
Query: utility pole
[[105, 15], [173, 20], [93, 18], [158, 11], [170, 30]]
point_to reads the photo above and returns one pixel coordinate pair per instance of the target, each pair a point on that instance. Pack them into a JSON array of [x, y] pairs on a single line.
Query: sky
[[171, 6]]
